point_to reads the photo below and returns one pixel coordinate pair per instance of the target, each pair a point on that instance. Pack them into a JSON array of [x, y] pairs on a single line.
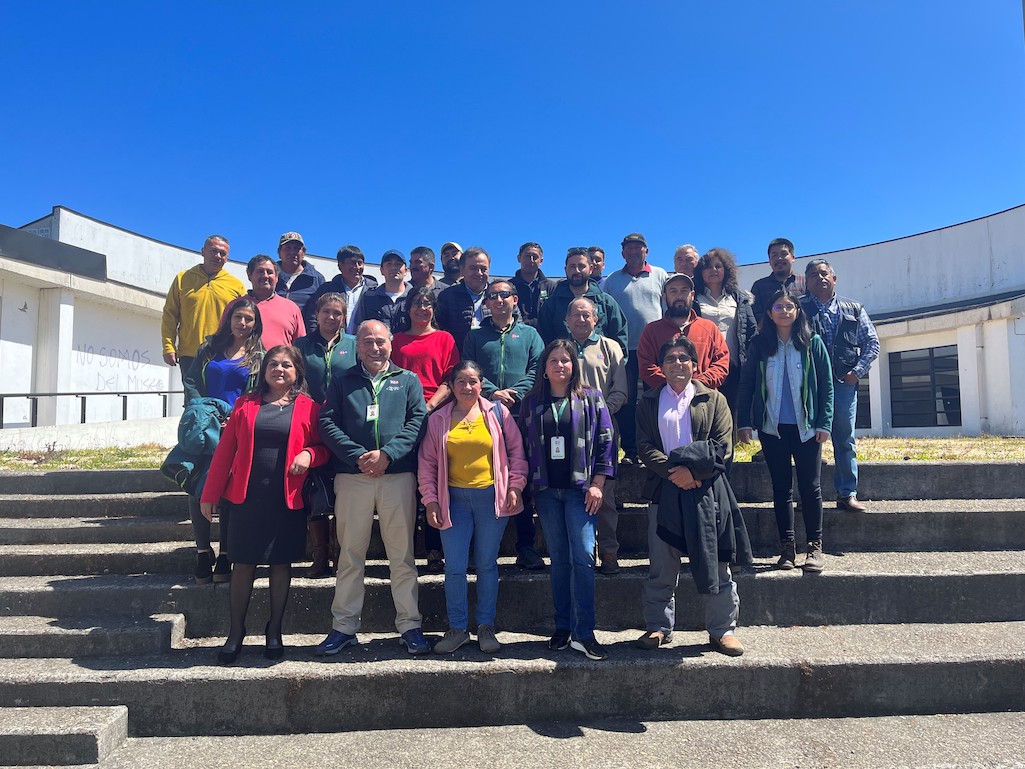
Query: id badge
[[372, 411], [558, 447]]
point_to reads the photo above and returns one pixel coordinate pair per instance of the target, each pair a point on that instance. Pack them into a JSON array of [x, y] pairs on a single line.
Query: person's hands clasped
[[373, 463], [301, 463], [683, 478]]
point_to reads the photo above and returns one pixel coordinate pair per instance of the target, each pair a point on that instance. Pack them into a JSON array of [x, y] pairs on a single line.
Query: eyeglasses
[[677, 359], [784, 308], [500, 294]]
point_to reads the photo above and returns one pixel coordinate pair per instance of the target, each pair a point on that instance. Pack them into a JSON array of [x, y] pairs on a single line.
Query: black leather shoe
[[275, 648], [228, 653]]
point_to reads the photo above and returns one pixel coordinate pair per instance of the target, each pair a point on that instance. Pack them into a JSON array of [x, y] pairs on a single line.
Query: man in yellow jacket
[[195, 303]]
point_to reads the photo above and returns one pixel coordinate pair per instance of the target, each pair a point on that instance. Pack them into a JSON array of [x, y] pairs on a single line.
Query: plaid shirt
[[868, 341]]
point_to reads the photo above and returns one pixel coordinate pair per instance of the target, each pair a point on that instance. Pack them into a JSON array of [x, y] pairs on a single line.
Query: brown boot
[[334, 549], [318, 538]]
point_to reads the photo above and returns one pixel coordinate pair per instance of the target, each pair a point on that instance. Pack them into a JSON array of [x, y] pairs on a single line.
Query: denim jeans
[[473, 518], [845, 409], [569, 532], [808, 461]]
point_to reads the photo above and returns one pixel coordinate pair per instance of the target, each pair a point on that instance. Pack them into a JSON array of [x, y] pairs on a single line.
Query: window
[[925, 390], [863, 417]]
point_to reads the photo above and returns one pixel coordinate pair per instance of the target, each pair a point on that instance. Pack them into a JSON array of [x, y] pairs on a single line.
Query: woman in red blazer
[[259, 468]]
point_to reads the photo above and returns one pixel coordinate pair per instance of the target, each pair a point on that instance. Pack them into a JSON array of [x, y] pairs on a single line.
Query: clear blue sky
[[388, 125]]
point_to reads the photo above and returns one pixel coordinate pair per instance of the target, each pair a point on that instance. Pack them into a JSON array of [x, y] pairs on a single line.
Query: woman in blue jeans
[[570, 453], [471, 476]]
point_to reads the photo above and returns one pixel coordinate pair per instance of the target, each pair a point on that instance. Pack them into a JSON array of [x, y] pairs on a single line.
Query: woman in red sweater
[[259, 468]]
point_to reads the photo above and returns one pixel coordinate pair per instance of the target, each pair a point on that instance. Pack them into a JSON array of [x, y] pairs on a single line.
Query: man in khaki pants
[[371, 422]]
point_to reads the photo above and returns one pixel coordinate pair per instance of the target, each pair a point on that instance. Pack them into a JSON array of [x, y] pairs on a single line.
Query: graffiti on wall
[[119, 369]]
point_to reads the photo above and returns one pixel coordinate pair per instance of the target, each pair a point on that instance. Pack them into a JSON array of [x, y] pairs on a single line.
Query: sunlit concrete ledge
[[98, 435]]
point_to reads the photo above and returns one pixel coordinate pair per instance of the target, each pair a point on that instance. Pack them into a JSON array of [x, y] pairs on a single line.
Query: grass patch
[[982, 449], [987, 448], [148, 455]]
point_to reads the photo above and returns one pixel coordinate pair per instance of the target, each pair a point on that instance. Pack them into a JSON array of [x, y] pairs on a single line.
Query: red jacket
[[228, 476], [713, 355]]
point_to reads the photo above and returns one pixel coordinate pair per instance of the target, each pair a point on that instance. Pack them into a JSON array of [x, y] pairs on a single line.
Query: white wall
[[965, 261]]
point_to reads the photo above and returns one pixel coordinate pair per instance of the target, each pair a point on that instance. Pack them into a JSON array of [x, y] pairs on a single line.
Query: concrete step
[[85, 482], [92, 505], [877, 480], [855, 588], [29, 636], [930, 524], [72, 559], [942, 524], [824, 672], [61, 736], [81, 531], [886, 742]]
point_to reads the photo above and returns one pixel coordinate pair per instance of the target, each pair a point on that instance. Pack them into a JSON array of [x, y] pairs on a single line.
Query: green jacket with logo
[[345, 429]]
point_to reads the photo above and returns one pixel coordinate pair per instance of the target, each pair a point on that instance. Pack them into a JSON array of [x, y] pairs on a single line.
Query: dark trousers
[[808, 461]]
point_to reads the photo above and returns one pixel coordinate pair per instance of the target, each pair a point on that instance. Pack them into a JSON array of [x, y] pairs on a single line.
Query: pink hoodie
[[508, 460]]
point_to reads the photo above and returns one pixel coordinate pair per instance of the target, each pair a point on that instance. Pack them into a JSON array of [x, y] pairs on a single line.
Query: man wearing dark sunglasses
[[508, 352]]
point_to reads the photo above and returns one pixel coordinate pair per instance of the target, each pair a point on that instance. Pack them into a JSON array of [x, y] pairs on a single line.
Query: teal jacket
[[816, 387], [508, 359], [345, 429], [316, 354]]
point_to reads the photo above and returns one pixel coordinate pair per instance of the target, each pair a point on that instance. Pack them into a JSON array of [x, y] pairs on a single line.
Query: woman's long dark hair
[[729, 271], [541, 391], [253, 346], [262, 388], [767, 339]]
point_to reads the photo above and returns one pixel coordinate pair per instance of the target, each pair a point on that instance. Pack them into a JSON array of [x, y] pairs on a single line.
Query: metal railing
[[33, 399]]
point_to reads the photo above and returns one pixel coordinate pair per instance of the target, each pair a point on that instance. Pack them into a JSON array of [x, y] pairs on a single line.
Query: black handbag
[[319, 493]]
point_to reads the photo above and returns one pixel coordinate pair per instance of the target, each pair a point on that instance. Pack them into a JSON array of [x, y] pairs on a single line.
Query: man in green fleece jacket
[[508, 353], [371, 422]]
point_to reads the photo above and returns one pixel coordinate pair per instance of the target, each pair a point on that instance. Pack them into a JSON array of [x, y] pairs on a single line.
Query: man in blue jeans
[[852, 343]]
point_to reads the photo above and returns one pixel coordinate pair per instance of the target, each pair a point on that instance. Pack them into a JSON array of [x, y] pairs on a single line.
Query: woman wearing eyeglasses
[[430, 353], [786, 393]]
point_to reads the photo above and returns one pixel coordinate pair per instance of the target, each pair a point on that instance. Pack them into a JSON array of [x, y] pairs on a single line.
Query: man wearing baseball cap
[[298, 279], [385, 302], [713, 356], [638, 290], [450, 253]]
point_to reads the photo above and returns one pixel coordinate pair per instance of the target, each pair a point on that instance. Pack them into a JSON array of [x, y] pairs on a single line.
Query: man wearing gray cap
[[638, 290], [450, 253], [298, 279], [384, 302]]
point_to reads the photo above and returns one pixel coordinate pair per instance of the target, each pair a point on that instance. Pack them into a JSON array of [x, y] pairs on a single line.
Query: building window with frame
[[925, 388]]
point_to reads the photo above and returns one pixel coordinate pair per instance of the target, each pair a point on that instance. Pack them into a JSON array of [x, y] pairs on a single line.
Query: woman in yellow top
[[472, 472]]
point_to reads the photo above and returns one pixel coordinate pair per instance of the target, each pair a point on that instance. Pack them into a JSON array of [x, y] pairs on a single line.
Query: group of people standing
[[481, 400]]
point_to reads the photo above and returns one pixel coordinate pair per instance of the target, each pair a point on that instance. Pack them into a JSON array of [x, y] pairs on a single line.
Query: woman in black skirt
[[259, 468]]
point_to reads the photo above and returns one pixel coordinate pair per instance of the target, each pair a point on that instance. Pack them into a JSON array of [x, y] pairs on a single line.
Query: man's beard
[[578, 279], [679, 310]]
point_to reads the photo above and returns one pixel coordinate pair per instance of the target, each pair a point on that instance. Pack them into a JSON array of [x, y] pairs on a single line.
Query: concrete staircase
[[920, 611]]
